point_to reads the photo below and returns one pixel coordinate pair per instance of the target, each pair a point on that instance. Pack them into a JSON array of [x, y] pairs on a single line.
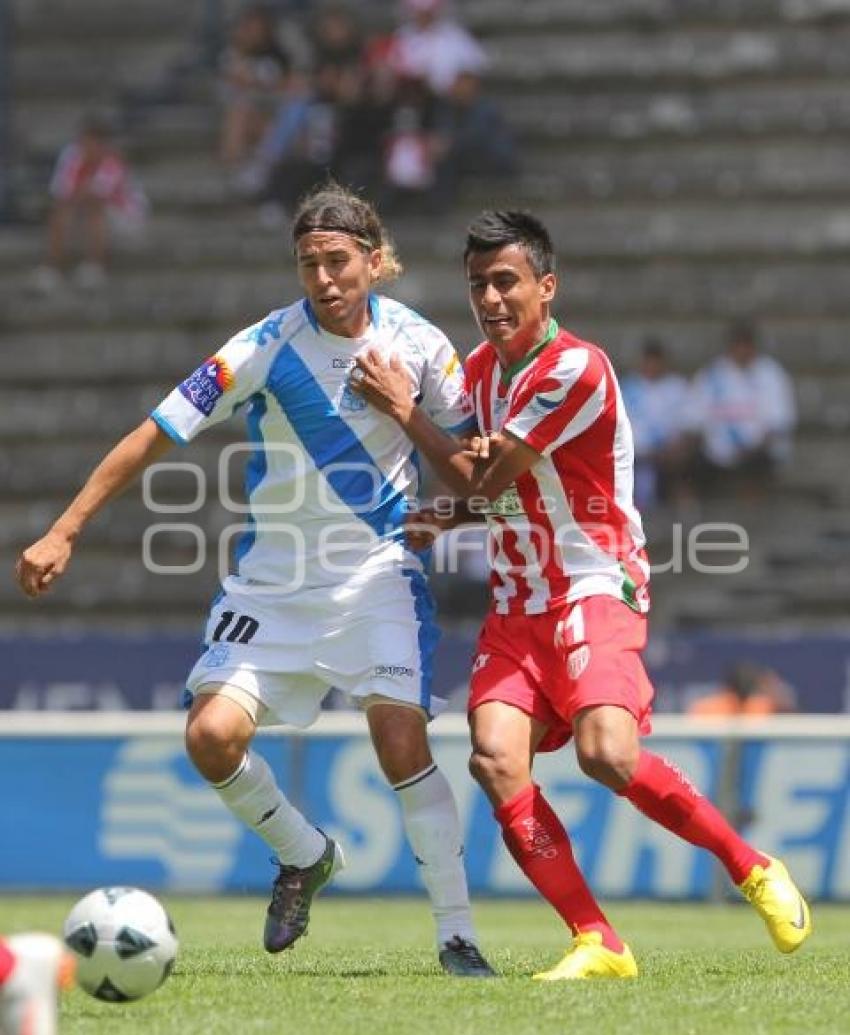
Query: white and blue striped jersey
[[328, 477]]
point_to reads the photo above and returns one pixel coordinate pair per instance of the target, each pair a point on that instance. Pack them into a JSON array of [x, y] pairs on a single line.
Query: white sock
[[433, 830], [252, 794]]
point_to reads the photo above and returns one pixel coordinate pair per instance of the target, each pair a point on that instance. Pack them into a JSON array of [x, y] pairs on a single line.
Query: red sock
[[7, 962], [662, 792], [537, 840]]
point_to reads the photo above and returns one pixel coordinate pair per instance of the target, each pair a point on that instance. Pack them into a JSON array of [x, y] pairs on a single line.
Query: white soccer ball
[[124, 943]]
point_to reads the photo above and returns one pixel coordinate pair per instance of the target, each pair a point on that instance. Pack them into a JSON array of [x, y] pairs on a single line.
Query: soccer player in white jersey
[[326, 592], [559, 653]]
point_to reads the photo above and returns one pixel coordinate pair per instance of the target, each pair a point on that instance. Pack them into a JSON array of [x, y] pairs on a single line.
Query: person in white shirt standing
[[743, 411], [326, 591], [656, 399]]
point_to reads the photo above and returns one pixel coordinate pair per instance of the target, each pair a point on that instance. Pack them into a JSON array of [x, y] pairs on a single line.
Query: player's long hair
[[497, 228], [330, 206]]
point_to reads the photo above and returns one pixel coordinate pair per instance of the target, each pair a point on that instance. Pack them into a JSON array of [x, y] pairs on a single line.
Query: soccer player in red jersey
[[559, 656]]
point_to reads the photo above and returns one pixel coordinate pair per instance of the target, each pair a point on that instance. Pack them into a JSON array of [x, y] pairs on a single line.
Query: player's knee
[[608, 760], [212, 747], [494, 768]]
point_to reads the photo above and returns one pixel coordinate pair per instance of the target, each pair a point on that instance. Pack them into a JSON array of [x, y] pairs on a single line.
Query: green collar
[[509, 373]]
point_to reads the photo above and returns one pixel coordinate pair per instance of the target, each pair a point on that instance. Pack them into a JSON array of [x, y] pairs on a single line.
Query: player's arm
[[421, 527], [467, 472], [46, 560]]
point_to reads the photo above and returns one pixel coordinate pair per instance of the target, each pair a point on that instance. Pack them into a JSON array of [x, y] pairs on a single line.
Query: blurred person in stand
[[749, 689], [335, 37], [433, 46], [93, 189], [743, 412], [413, 146], [256, 73], [656, 399], [304, 142], [300, 148], [479, 142]]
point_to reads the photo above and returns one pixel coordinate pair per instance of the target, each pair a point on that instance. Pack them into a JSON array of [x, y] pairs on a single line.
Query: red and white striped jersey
[[567, 528]]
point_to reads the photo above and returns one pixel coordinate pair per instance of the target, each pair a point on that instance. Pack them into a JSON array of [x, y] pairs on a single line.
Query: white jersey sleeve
[[443, 390], [211, 393]]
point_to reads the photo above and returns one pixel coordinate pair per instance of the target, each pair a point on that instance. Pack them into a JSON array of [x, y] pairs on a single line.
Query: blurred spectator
[[748, 690], [656, 399], [478, 142], [94, 191], [412, 147], [365, 115], [743, 411], [432, 46], [301, 145], [255, 74], [335, 39], [313, 133]]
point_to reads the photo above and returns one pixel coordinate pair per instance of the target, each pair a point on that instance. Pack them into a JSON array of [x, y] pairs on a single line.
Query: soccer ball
[[124, 943]]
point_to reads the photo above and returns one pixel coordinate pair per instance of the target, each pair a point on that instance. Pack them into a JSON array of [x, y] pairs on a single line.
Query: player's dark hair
[[498, 228], [332, 207]]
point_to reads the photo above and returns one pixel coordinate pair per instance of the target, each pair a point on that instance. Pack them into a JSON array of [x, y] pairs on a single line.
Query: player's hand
[[484, 447], [41, 564], [422, 527], [387, 386]]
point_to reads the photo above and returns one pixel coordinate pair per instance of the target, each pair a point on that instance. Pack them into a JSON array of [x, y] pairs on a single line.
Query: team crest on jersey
[[549, 396], [350, 401], [207, 384]]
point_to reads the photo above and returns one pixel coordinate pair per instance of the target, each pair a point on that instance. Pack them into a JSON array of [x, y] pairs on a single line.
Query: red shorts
[[553, 665]]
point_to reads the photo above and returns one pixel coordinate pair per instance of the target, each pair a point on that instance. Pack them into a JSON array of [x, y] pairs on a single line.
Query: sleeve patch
[[452, 365], [549, 395], [207, 384]]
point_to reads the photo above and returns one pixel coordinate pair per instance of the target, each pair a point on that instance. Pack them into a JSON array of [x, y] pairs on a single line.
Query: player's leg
[[609, 751], [432, 824], [219, 730], [33, 969], [504, 742]]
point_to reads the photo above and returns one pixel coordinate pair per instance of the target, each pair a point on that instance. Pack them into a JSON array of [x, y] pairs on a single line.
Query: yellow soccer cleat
[[589, 958], [782, 907]]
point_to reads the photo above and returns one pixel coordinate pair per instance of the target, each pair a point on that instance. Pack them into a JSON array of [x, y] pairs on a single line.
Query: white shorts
[[373, 638]]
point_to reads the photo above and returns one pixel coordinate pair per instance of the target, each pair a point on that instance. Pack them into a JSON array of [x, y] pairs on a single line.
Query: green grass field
[[368, 966]]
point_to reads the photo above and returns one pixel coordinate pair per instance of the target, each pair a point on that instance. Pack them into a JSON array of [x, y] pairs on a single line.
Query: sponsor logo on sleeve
[[207, 384], [452, 366], [549, 396]]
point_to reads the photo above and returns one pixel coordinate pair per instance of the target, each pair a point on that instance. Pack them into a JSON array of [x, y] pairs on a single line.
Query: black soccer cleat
[[463, 959], [292, 894]]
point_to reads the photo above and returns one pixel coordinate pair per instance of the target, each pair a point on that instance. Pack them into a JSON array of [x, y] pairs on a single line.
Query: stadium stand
[[691, 159]]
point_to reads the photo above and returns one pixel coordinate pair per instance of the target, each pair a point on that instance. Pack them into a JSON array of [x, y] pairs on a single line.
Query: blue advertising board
[[129, 809]]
